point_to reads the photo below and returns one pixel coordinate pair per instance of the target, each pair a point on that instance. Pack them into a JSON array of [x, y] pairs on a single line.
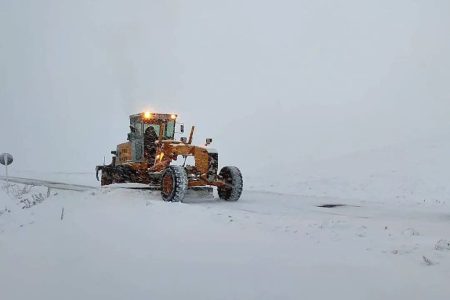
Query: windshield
[[155, 127], [170, 129]]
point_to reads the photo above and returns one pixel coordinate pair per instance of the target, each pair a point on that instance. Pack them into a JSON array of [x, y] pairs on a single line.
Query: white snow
[[128, 244], [412, 172], [390, 240]]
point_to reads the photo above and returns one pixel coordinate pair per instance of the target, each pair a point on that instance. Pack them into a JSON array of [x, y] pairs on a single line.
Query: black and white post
[[6, 159]]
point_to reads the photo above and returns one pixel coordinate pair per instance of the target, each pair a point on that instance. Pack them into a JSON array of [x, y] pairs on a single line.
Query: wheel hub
[[167, 185]]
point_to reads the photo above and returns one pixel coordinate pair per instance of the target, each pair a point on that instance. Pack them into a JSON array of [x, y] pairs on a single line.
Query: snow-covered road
[[48, 183], [128, 244]]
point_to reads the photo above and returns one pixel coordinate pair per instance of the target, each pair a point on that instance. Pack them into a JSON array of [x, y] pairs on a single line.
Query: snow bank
[[6, 203], [17, 203]]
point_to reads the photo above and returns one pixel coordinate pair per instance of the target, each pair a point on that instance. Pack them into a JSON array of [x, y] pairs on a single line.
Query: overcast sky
[[267, 80]]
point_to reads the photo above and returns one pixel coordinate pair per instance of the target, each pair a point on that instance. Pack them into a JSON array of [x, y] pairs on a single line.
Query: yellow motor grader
[[150, 154]]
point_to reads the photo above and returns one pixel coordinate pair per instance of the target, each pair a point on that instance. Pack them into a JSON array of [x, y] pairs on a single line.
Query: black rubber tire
[[233, 178], [179, 184]]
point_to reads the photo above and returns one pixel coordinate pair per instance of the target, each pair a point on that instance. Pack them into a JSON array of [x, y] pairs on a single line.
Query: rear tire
[[174, 184], [232, 176]]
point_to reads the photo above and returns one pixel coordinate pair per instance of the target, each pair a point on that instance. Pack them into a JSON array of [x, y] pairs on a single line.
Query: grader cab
[[150, 157]]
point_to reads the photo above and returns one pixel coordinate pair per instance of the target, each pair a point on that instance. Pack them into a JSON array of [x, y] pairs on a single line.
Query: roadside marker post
[[6, 159]]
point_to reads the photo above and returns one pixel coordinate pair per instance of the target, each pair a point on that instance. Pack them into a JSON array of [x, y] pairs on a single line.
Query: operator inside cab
[[150, 138], [145, 130]]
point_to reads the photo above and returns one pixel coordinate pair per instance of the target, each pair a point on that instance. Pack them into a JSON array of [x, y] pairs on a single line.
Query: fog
[[286, 81]]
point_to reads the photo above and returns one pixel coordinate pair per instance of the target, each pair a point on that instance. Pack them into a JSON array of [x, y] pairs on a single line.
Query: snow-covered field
[[112, 243]]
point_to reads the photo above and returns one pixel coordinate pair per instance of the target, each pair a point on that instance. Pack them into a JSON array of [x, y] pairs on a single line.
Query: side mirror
[[182, 128], [208, 141]]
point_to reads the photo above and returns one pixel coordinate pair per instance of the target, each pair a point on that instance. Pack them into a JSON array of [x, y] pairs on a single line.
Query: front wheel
[[174, 184], [232, 189]]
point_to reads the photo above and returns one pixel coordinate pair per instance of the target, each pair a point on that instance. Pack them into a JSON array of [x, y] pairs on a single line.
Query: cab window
[[138, 128], [155, 126], [170, 128]]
